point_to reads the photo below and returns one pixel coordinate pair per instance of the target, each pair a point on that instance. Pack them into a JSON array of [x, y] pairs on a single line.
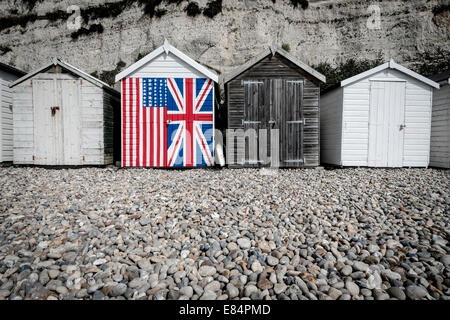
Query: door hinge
[[33, 158], [295, 121], [294, 81], [250, 122], [253, 161], [244, 82]]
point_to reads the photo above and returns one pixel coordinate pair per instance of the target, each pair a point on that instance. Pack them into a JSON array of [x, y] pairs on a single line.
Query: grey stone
[[244, 243], [272, 261], [397, 292], [206, 271], [416, 292], [352, 288]]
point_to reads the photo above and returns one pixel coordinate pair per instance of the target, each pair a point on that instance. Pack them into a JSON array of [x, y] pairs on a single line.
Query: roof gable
[[272, 51], [390, 65], [167, 48], [68, 67], [10, 69]]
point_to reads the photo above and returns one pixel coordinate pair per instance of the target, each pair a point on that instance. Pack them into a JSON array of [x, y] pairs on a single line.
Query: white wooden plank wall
[[92, 124], [23, 123], [356, 119], [440, 128], [6, 118]]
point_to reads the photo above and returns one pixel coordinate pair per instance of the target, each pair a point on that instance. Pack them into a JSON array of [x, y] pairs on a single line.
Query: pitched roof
[[68, 67], [167, 47], [443, 76], [10, 69], [390, 65], [272, 51]]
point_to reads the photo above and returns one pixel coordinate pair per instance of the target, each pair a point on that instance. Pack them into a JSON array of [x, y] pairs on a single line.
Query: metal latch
[[402, 126], [53, 109]]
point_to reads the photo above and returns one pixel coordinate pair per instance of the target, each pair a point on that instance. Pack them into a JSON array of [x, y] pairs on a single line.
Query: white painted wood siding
[[92, 147], [89, 108], [23, 123], [355, 139], [166, 66], [440, 128], [6, 122], [331, 127]]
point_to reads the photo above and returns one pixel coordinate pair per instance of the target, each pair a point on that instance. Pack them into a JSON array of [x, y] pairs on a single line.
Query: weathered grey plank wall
[[279, 70]]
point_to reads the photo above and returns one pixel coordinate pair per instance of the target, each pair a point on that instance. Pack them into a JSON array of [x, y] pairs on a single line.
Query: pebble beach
[[209, 234]]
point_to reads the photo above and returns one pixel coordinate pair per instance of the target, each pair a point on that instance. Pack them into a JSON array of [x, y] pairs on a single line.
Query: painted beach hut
[[379, 118], [7, 75], [63, 116], [440, 123], [167, 111], [274, 90]]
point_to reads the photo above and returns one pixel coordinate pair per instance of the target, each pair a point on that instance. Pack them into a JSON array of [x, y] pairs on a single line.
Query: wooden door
[[292, 124], [47, 123], [386, 123], [56, 122], [254, 117], [70, 113]]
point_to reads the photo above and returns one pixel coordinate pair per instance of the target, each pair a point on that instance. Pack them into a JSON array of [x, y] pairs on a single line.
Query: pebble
[[358, 233], [272, 261], [244, 243], [208, 295], [206, 271], [397, 292], [352, 288], [416, 292], [187, 291], [118, 290], [279, 288]]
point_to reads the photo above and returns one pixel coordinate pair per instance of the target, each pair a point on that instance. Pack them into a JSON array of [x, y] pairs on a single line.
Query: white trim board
[[167, 48], [390, 65]]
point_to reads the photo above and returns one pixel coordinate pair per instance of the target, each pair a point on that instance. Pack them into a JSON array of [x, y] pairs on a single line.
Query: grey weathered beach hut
[[274, 90], [63, 116], [7, 74], [440, 123]]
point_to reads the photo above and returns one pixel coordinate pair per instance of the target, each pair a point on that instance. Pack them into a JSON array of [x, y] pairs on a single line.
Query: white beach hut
[[379, 118], [440, 123], [7, 74], [63, 116]]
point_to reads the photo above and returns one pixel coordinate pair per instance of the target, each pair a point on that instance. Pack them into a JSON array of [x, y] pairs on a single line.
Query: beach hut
[[440, 123], [63, 116], [7, 74], [274, 90], [379, 118], [167, 111]]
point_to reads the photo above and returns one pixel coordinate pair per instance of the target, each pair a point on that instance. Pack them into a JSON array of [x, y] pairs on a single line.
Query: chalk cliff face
[[327, 31]]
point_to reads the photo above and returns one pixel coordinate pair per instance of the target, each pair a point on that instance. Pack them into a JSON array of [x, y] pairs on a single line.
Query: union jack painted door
[[167, 122]]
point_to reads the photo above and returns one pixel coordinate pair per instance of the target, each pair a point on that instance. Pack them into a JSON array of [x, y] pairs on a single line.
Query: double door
[[273, 122], [57, 110], [386, 123]]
